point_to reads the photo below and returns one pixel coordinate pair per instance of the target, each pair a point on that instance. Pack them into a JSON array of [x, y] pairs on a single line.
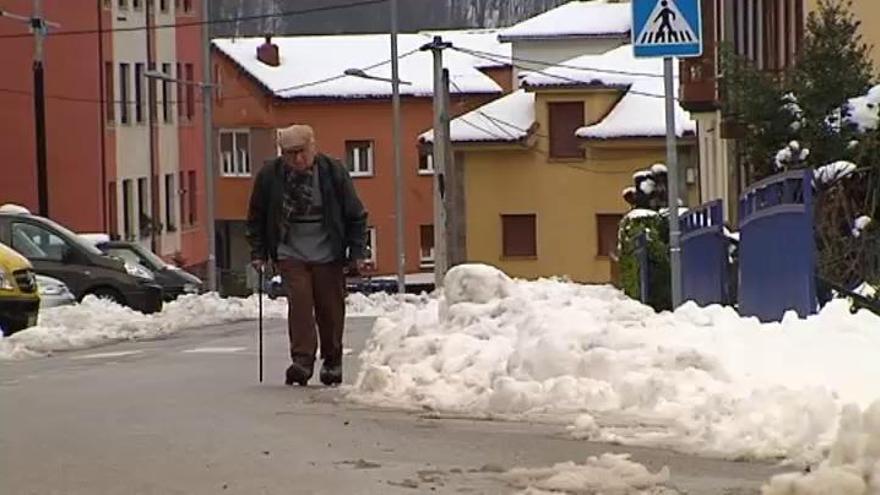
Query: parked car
[[174, 280], [53, 292], [55, 251], [19, 299]]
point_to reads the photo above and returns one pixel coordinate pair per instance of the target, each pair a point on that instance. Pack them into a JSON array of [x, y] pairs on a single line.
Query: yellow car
[[19, 297]]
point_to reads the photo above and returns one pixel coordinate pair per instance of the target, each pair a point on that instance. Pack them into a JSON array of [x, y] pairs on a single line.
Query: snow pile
[[833, 172], [791, 156], [860, 224], [853, 466], [864, 111], [606, 474], [700, 380], [96, 322]]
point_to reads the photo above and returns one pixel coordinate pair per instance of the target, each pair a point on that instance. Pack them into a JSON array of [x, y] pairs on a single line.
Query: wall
[[868, 12]]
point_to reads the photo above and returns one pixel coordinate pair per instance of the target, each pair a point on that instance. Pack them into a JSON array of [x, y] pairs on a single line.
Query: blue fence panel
[[704, 274], [777, 247]]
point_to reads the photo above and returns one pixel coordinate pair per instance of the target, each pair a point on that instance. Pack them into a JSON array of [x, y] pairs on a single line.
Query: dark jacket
[[344, 214]]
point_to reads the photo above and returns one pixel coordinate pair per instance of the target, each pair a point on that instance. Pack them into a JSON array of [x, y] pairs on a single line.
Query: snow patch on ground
[[96, 322], [852, 467], [605, 474], [700, 380]]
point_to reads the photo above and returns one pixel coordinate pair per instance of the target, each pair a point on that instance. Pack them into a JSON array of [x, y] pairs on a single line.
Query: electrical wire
[[227, 20]]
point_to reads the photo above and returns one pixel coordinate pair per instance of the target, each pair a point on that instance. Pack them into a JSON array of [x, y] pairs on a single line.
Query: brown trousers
[[315, 292]]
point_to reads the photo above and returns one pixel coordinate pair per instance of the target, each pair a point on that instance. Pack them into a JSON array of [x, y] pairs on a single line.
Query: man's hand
[[357, 267], [258, 264]]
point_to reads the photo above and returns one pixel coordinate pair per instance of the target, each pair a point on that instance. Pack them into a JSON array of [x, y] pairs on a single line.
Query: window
[[187, 6], [565, 119], [136, 4], [127, 209], [193, 217], [152, 100], [371, 245], [107, 4], [218, 84], [360, 157], [124, 85], [426, 246], [518, 236], [36, 242], [123, 4], [139, 93], [606, 233], [143, 207], [426, 163], [190, 92], [163, 5], [180, 104], [109, 104], [112, 208], [166, 95], [183, 200], [170, 219], [235, 153]]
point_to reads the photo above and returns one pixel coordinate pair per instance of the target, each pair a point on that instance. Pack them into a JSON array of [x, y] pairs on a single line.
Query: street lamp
[[363, 75], [206, 88]]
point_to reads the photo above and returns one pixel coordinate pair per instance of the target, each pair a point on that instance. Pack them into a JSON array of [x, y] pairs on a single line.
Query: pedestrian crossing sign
[[667, 28]]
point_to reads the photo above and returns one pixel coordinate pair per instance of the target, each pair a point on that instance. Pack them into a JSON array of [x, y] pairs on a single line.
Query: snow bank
[[608, 473], [97, 322], [700, 380], [853, 466]]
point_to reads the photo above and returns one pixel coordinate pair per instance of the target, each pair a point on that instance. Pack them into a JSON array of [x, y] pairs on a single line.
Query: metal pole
[[39, 28], [672, 166], [208, 129], [398, 170]]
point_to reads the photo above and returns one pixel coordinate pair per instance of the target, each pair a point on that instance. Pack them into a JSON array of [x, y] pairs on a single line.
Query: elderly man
[[305, 217]]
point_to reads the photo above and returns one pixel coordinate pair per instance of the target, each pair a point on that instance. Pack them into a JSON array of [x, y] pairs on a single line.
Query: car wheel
[[109, 294]]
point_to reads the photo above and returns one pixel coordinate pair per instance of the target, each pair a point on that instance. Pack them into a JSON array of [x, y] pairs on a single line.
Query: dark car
[[174, 281], [55, 251]]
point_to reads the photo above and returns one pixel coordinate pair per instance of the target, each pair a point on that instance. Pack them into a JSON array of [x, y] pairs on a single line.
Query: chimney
[[268, 52]]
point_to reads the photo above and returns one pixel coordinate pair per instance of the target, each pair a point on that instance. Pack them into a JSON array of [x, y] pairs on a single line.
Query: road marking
[[214, 350], [104, 355]]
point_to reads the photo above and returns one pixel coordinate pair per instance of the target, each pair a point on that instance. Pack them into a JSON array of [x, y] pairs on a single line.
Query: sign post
[[669, 28]]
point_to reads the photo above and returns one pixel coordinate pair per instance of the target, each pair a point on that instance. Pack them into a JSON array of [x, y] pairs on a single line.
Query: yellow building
[[544, 167], [868, 13]]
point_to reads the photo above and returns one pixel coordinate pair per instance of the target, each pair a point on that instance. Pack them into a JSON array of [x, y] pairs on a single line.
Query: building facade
[[125, 153]]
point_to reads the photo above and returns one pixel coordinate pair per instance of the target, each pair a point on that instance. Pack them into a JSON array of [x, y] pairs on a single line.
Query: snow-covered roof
[[593, 19], [640, 113], [506, 119], [313, 66]]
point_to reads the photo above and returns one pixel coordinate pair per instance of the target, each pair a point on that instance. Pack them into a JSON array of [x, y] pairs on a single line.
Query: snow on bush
[[700, 380], [864, 111], [852, 467], [833, 172], [605, 474], [97, 322]]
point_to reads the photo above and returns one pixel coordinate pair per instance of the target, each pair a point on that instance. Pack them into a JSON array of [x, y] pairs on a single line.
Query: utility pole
[[38, 26], [672, 166], [440, 156], [398, 168], [208, 124]]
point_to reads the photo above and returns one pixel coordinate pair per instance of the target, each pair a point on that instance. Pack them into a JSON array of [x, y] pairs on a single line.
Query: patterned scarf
[[298, 195]]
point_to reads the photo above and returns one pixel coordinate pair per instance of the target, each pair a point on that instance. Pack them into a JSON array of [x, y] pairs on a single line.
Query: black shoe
[[331, 373], [298, 373]]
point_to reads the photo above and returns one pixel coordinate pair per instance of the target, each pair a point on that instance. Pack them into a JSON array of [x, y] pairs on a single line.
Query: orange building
[[300, 80]]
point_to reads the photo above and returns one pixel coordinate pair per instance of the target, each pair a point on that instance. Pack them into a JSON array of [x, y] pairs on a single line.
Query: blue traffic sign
[[667, 28]]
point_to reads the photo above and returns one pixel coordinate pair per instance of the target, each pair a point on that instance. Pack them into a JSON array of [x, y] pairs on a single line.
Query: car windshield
[[72, 237], [151, 257]]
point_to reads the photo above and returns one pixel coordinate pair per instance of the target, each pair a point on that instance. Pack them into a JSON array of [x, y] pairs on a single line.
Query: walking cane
[[260, 304]]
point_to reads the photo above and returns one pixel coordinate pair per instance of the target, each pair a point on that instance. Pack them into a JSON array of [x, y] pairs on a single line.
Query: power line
[[227, 20]]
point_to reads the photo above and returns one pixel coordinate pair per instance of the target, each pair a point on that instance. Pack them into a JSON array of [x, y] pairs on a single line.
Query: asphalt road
[[186, 415]]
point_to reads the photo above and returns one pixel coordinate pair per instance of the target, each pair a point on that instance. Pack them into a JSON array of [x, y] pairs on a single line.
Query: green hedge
[[657, 229]]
